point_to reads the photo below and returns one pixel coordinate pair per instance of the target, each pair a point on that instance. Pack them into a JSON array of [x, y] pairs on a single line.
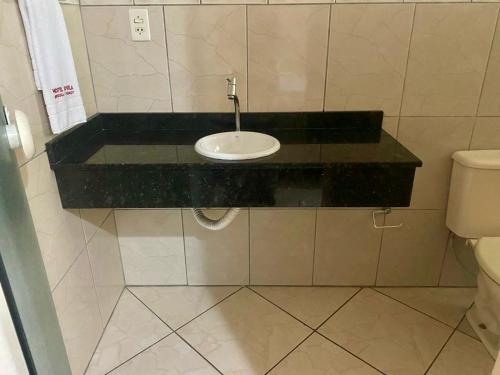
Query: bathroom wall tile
[[387, 334], [300, 1], [445, 304], [77, 308], [463, 355], [347, 248], [448, 55], [433, 140], [106, 263], [152, 246], [76, 34], [317, 355], [128, 76], [106, 2], [460, 267], [367, 1], [154, 2], [286, 65], [489, 104], [217, 257], [281, 246], [234, 2], [486, 134], [92, 218], [391, 125], [132, 328], [413, 255], [17, 85], [205, 46], [367, 56], [59, 231]]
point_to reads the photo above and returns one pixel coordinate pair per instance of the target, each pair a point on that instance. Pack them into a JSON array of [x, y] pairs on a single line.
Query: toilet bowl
[[484, 316], [474, 212]]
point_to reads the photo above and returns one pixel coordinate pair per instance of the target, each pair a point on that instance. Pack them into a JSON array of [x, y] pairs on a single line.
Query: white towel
[[52, 60]]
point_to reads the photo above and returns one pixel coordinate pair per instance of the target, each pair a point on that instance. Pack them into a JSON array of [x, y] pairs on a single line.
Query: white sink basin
[[237, 145]]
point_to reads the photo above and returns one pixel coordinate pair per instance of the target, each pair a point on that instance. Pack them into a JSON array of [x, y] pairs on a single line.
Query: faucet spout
[[231, 95]]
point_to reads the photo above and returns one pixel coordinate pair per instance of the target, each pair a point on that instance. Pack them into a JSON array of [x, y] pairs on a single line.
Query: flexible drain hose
[[216, 224]]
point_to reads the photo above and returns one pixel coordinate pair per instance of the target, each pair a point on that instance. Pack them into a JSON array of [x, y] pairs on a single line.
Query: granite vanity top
[[327, 159]]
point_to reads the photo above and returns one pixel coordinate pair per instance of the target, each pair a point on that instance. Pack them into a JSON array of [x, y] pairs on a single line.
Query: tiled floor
[[291, 330]]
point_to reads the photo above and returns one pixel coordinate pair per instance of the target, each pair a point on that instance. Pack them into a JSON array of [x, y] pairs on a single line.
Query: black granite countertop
[[148, 160]]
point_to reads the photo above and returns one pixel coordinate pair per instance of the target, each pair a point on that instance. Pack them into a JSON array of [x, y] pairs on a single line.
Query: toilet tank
[[474, 201]]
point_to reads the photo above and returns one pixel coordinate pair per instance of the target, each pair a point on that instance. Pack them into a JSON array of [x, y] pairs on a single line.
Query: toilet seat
[[488, 256]]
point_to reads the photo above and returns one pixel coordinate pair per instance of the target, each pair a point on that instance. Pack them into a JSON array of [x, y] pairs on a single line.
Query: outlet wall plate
[[139, 25]]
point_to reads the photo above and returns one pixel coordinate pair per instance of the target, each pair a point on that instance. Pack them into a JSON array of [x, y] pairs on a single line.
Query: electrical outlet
[[139, 25]]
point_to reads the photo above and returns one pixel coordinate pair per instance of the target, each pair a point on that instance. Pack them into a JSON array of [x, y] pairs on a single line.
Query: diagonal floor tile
[[463, 355], [245, 334], [445, 304], [132, 328], [392, 337], [318, 356], [169, 356], [177, 305], [311, 305]]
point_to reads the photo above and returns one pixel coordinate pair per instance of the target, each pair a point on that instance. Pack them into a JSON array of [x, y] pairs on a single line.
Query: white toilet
[[474, 213]]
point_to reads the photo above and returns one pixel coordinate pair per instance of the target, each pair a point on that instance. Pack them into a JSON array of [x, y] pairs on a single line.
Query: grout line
[[138, 353], [247, 55], [380, 249], [448, 246], [196, 351], [330, 11], [279, 307], [249, 248], [338, 309], [440, 351], [407, 62], [105, 326], [119, 247], [168, 60], [290, 352], [184, 245], [351, 353], [52, 290], [415, 309], [464, 318]]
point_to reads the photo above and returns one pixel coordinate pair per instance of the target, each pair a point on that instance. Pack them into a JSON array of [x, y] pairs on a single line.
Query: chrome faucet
[[231, 95]]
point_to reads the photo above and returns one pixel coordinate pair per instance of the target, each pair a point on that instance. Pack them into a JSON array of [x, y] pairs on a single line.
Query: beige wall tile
[[486, 133], [413, 254], [92, 219], [77, 308], [205, 46], [17, 85], [347, 248], [391, 125], [433, 140], [106, 263], [489, 105], [152, 2], [59, 231], [460, 267], [448, 55], [152, 246], [300, 1], [287, 57], [128, 76], [76, 34], [367, 1], [281, 246], [233, 2], [216, 257], [106, 2], [367, 56]]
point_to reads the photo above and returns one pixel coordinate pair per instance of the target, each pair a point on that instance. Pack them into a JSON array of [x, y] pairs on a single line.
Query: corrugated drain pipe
[[216, 224]]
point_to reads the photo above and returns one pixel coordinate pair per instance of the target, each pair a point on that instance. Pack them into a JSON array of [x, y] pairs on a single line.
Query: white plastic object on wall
[[19, 134], [216, 224], [139, 25]]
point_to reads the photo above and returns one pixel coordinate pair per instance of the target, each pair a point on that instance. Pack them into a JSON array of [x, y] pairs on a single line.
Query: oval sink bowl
[[237, 145]]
